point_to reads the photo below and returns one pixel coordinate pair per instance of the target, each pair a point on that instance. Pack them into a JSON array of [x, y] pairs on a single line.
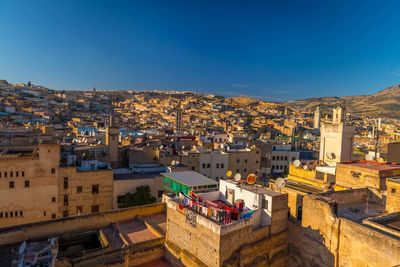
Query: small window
[[65, 213], [95, 208], [11, 184], [208, 165], [79, 189], [6, 214], [217, 166], [16, 213], [192, 168], [245, 161], [79, 209], [203, 165], [53, 199], [393, 191], [53, 170], [21, 213], [286, 158], [65, 182], [53, 216], [23, 174], [44, 213], [11, 174], [5, 174], [238, 160], [273, 157], [1, 215], [16, 174], [66, 200], [11, 214], [222, 166], [27, 184], [95, 189]]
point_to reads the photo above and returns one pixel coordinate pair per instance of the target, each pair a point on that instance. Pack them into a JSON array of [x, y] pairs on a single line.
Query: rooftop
[[189, 178], [373, 165]]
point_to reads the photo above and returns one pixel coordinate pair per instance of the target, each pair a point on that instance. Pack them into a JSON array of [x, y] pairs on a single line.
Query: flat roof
[[373, 165], [190, 178]]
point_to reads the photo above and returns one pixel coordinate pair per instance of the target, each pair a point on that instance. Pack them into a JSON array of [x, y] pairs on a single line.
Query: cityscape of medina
[[199, 133]]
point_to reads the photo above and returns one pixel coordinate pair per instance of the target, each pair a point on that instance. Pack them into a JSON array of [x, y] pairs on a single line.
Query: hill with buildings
[[385, 103]]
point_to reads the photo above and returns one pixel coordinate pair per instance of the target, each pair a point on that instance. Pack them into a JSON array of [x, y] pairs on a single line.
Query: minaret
[[112, 140], [317, 118], [179, 111], [337, 138]]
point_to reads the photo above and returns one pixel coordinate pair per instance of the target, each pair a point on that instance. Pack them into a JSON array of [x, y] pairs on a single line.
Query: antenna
[[296, 163], [229, 173], [251, 179], [237, 177], [280, 183]]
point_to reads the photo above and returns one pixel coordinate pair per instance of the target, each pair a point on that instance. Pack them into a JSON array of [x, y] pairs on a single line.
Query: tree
[[142, 196]]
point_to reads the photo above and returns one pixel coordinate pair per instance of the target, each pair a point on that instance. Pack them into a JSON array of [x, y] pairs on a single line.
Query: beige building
[[393, 195], [365, 174], [244, 161], [85, 189], [337, 139], [28, 184]]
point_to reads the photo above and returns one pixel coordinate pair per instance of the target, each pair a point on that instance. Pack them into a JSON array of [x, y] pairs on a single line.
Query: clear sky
[[275, 50]]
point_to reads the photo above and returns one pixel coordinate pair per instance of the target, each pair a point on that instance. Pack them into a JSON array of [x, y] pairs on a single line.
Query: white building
[[337, 139], [281, 156]]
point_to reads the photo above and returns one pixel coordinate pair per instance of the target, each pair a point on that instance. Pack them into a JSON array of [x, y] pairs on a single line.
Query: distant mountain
[[385, 103]]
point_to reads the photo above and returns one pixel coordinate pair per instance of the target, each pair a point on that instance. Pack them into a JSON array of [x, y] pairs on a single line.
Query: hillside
[[385, 103]]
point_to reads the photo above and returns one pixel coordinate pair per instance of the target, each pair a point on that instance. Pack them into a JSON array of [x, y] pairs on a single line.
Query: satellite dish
[[381, 160], [229, 173], [280, 183], [173, 162], [305, 167], [251, 178], [22, 248], [237, 177], [296, 163], [369, 157]]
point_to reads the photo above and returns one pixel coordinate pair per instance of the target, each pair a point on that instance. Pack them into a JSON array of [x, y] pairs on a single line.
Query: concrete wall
[[74, 224]]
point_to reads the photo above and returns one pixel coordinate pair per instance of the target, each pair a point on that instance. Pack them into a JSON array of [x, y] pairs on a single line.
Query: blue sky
[[275, 50]]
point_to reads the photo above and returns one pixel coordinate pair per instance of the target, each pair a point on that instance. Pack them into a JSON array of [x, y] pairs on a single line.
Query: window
[[65, 182], [273, 167], [5, 174], [222, 166], [95, 189], [281, 157], [44, 213], [120, 199], [160, 193], [286, 158], [65, 213], [53, 199], [79, 209], [238, 160], [11, 174], [265, 204], [217, 166], [1, 215], [23, 174], [6, 214], [21, 213], [26, 183], [244, 170], [53, 216], [79, 189], [11, 184], [273, 157], [17, 174], [293, 158], [203, 165], [245, 160], [237, 170], [53, 170], [95, 208], [208, 165], [393, 191], [192, 168], [65, 200], [320, 176], [11, 214]]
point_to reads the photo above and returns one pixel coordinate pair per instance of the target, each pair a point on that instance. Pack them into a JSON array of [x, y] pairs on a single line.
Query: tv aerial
[[296, 163], [280, 183], [251, 179], [237, 177]]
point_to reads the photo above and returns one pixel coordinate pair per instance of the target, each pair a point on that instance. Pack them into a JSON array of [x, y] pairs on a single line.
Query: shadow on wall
[[306, 247]]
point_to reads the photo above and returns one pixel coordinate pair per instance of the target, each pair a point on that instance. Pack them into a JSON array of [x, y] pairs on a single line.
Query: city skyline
[[266, 50]]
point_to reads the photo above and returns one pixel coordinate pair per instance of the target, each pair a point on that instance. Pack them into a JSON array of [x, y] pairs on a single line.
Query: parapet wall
[[74, 224]]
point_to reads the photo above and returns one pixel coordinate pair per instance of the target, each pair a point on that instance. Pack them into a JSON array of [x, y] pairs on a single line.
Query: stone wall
[[74, 224]]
